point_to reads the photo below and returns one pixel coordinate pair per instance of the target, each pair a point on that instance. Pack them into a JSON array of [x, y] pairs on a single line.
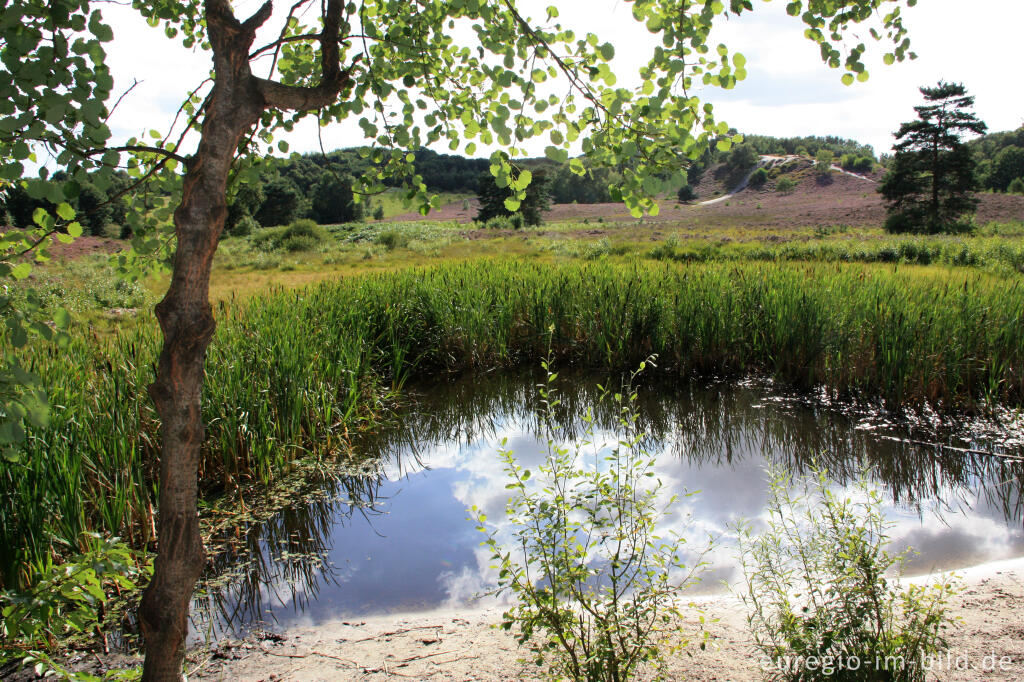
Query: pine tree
[[930, 185]]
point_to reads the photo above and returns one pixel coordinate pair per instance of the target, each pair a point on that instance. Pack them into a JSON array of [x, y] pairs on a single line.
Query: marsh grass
[[291, 373], [998, 254]]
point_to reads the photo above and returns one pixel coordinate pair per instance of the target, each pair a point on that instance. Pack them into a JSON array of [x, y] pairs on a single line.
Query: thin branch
[[35, 244], [124, 94], [137, 148]]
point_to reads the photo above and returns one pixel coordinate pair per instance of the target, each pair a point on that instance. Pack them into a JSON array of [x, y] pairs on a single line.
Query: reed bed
[[995, 253], [291, 373]]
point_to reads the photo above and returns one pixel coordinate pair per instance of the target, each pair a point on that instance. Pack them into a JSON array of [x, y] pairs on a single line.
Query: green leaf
[[21, 271], [61, 318], [65, 211], [556, 154]]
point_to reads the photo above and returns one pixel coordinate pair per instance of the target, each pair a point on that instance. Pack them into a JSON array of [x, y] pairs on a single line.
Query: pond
[[394, 535]]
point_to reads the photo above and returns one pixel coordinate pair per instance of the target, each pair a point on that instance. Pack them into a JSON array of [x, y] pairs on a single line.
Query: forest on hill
[[318, 186]]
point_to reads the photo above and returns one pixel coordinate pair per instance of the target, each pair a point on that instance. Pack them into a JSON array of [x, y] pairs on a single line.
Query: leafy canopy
[[417, 84]]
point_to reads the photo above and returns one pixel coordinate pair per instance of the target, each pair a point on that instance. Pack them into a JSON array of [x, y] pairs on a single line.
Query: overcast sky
[[788, 90]]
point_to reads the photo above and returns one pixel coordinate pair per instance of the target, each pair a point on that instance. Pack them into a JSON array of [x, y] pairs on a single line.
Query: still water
[[394, 536]]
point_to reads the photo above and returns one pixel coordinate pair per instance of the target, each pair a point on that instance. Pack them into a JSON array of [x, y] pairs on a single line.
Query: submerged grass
[[291, 373]]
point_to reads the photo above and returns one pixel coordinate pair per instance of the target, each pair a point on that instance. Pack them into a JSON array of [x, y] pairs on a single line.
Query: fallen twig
[[392, 633], [314, 653]]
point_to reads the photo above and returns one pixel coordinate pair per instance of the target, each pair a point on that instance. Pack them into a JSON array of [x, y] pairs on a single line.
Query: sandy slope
[[987, 643]]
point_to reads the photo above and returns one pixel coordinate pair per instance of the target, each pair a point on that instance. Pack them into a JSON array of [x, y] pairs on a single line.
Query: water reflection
[[393, 535]]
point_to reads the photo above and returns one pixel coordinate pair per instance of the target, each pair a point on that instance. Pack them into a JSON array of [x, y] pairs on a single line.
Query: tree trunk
[[935, 227], [186, 319], [187, 323]]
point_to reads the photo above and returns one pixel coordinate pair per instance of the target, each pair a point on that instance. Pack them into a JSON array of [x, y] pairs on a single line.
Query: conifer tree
[[930, 185]]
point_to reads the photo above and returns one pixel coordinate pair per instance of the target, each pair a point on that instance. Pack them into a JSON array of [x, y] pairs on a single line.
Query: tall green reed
[[292, 372]]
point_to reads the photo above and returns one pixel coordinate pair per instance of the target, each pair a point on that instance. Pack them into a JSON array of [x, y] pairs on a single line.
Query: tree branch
[[259, 18], [333, 78], [136, 148]]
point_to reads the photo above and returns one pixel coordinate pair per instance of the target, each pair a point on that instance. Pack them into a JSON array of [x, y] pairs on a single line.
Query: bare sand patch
[[986, 643]]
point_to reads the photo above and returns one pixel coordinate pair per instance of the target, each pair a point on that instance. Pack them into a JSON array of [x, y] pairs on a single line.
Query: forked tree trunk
[[187, 323], [186, 319]]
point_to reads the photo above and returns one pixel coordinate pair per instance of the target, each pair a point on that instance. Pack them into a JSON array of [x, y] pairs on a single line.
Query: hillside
[[841, 199]]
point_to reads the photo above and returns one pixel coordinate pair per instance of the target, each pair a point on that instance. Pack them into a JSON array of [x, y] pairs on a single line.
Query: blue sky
[[788, 90]]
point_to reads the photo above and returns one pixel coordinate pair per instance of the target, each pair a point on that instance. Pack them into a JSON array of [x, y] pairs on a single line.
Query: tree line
[[1000, 159], [319, 186]]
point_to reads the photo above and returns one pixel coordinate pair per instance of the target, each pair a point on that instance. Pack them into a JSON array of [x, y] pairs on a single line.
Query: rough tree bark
[[186, 318]]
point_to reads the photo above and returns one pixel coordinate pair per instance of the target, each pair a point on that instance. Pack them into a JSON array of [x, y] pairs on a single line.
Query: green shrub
[[244, 226], [266, 239], [785, 185], [857, 164], [1016, 187], [499, 223], [393, 239], [299, 243], [304, 227], [823, 591], [686, 194], [67, 600], [597, 590], [823, 164], [864, 164], [759, 177], [300, 235], [378, 213]]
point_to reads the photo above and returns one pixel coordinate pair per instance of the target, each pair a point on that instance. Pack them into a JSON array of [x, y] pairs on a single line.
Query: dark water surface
[[396, 538]]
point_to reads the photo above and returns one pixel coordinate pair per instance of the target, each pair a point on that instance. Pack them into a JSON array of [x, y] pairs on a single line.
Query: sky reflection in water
[[409, 545]]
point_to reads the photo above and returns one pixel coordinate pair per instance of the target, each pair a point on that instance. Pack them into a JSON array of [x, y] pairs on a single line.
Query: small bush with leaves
[[823, 164], [300, 235], [244, 226], [596, 588], [499, 223], [67, 600], [785, 185], [1016, 187], [686, 194], [823, 591], [393, 239], [758, 178], [857, 164]]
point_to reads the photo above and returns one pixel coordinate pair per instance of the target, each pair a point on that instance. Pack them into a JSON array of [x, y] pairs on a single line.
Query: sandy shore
[[986, 643]]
